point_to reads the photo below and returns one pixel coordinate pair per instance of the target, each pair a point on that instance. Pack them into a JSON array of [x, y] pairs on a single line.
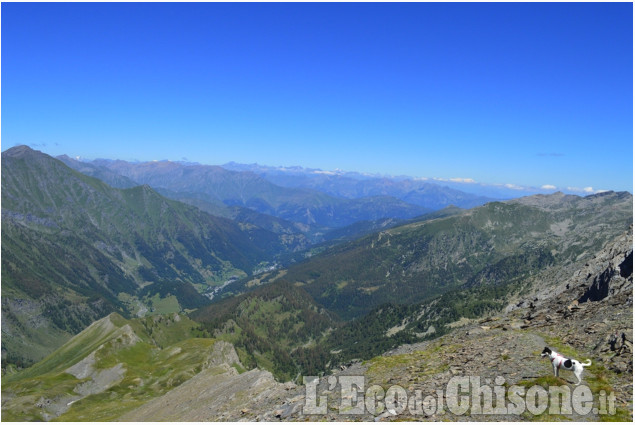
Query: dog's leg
[[578, 374]]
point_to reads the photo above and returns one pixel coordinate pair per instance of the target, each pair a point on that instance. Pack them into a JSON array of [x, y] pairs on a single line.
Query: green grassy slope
[[155, 354]]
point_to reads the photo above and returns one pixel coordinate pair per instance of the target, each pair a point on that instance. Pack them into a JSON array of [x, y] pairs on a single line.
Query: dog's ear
[[547, 350]]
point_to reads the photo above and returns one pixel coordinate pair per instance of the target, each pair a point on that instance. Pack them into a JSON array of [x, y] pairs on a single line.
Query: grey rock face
[[616, 271]]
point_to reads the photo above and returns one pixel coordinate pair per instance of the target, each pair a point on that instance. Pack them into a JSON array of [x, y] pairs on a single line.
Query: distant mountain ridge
[[293, 234], [99, 171], [337, 182], [213, 184], [71, 245], [352, 185]]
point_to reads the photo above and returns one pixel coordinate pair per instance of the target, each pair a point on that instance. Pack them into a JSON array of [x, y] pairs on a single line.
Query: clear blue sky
[[530, 94]]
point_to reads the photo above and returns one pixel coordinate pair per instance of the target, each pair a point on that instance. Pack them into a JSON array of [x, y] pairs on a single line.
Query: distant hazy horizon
[[520, 95], [489, 189]]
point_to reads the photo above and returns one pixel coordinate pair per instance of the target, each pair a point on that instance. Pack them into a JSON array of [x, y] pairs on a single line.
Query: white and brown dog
[[558, 361]]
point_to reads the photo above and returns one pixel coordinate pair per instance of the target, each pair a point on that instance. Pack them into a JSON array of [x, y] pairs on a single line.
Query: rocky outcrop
[[218, 393], [608, 273], [616, 278], [222, 353]]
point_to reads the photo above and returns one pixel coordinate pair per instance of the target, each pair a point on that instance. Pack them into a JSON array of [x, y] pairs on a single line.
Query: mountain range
[[73, 248], [433, 192], [124, 300], [351, 185], [214, 184]]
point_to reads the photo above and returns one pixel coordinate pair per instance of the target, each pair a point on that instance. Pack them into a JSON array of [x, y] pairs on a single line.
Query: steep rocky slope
[[506, 346], [561, 316], [413, 282], [214, 395]]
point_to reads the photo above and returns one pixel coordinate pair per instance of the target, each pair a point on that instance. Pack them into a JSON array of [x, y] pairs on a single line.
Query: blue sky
[[526, 94]]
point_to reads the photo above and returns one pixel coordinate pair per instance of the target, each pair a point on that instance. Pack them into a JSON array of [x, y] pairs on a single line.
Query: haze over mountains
[[353, 185], [214, 186], [429, 192], [350, 183], [294, 279]]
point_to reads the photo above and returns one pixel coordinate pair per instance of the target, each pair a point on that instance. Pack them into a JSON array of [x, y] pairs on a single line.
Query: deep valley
[[172, 291]]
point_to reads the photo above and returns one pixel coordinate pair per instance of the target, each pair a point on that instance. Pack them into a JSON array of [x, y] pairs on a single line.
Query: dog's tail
[[588, 363]]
